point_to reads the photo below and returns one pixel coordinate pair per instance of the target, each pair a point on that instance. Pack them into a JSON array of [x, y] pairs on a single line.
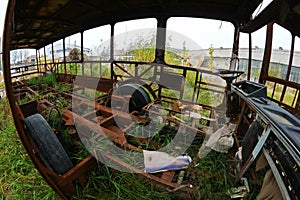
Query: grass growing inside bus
[[49, 80], [20, 180], [106, 183]]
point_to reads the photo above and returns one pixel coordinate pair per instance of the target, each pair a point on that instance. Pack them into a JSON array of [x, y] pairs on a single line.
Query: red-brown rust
[[77, 171], [90, 127]]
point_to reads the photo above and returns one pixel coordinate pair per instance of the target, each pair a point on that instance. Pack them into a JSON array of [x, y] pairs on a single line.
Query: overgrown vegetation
[[48, 80], [20, 180], [18, 177]]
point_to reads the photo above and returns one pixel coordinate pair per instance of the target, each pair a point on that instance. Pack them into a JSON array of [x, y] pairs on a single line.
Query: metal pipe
[[64, 52], [45, 60], [249, 57], [82, 58], [112, 33]]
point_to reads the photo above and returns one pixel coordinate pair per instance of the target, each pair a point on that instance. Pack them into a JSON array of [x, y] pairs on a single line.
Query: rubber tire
[[140, 83], [140, 97], [51, 150]]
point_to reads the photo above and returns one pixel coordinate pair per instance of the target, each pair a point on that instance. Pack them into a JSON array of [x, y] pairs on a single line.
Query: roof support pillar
[[161, 40], [267, 54]]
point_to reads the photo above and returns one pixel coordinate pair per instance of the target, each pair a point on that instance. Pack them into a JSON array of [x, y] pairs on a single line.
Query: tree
[[22, 55], [74, 55], [18, 56], [13, 56]]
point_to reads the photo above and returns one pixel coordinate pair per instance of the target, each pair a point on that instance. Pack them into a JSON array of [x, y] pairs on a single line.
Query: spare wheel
[[51, 150]]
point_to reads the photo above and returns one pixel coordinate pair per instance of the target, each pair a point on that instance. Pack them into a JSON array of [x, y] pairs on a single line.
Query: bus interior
[[125, 86]]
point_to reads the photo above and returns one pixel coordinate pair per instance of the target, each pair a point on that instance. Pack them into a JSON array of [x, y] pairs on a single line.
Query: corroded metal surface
[[103, 124]]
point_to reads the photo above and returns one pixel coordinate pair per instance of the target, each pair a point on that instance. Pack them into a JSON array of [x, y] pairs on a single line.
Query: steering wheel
[[229, 75]]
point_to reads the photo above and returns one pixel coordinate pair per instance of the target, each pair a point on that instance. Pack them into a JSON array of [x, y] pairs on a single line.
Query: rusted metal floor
[[100, 119]]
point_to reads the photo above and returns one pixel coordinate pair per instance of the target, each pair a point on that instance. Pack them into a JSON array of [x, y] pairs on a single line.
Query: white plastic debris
[[156, 161], [220, 141]]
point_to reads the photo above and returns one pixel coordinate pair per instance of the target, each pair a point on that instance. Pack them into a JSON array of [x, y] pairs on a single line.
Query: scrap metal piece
[[180, 187], [241, 191]]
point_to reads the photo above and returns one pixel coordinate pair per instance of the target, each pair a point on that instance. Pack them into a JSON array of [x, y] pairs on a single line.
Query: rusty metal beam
[[267, 54]]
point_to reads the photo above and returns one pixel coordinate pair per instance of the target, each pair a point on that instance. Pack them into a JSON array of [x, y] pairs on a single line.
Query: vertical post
[[289, 67], [52, 49], [199, 87], [182, 84], [64, 53], [161, 40], [82, 54], [291, 58], [136, 71], [267, 54], [160, 44], [37, 60], [112, 33], [249, 57], [45, 60], [234, 65], [195, 85]]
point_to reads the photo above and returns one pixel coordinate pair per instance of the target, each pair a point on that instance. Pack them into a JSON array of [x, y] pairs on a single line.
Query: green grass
[[48, 80], [18, 177]]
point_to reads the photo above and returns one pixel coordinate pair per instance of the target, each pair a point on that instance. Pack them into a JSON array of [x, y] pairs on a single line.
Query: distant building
[[59, 52], [30, 59]]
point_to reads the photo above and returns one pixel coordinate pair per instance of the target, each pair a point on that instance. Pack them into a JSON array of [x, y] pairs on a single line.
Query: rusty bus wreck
[[130, 100]]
